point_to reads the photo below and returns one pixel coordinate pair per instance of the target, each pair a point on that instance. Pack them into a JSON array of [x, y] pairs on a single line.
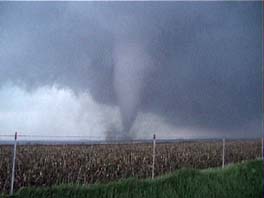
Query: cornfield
[[46, 165]]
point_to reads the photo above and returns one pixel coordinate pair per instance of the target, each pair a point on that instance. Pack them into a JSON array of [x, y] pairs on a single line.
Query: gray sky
[[179, 69]]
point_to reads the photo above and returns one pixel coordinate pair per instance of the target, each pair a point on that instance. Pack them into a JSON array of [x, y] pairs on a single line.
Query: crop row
[[42, 165]]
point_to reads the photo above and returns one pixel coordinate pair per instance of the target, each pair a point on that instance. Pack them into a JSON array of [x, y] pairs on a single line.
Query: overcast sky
[[179, 69]]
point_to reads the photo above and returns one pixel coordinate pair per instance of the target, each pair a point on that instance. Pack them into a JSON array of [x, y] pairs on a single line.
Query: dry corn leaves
[[41, 165]]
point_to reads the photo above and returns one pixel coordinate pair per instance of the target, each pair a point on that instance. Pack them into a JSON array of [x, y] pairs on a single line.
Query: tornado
[[131, 64]]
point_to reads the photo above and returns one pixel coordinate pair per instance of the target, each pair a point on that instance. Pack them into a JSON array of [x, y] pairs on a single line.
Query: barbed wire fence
[[27, 139]]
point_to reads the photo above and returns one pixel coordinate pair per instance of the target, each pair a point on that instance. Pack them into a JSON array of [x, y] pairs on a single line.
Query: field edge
[[236, 180]]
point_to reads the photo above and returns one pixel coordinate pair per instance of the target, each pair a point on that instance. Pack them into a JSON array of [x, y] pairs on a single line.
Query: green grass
[[235, 181]]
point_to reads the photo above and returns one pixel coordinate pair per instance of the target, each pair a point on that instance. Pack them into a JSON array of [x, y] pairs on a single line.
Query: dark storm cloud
[[201, 60]]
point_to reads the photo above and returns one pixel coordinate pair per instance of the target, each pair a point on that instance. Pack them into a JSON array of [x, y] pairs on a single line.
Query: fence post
[[154, 156], [13, 166], [223, 154], [262, 157]]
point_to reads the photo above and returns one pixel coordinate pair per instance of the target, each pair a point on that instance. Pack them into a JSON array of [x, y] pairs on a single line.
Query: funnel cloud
[[130, 69]]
